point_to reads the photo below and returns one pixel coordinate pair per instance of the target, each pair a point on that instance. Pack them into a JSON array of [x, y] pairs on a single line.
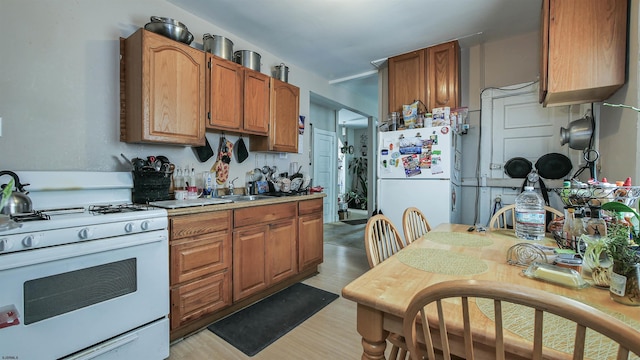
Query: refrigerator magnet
[[444, 130], [384, 152]]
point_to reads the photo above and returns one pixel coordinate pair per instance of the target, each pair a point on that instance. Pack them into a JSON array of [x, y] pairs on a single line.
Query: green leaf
[[6, 193]]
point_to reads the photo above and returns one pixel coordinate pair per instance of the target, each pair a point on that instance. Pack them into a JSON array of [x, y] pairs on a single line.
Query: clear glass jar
[[624, 287]]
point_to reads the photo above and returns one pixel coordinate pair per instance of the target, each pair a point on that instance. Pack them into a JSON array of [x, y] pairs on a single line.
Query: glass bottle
[[596, 225], [567, 232], [578, 227]]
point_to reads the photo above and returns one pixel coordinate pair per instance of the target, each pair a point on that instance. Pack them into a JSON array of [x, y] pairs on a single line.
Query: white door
[[514, 124], [325, 170]]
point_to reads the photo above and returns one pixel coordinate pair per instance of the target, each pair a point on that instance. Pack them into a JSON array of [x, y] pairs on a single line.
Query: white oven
[[86, 285]]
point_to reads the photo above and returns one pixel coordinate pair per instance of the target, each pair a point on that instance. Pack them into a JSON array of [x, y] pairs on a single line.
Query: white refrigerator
[[421, 168]]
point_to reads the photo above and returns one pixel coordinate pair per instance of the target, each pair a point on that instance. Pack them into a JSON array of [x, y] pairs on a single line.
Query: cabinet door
[[282, 260], [193, 300], [224, 86], [200, 256], [165, 91], [249, 275], [283, 121], [310, 240], [407, 74], [256, 102], [585, 50], [443, 68]]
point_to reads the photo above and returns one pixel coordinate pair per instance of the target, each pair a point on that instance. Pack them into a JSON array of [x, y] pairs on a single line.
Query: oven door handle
[[104, 348]]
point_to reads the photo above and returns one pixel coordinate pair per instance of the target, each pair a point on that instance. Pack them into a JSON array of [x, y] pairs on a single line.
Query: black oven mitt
[[241, 150]]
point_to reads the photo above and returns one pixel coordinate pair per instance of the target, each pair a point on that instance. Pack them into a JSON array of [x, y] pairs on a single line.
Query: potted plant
[[357, 197], [624, 284], [597, 259]]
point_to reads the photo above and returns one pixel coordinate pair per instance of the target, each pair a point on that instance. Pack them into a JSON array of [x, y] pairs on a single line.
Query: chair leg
[[403, 354]]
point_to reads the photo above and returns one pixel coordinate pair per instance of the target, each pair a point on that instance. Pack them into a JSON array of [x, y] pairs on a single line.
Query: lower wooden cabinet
[[221, 261], [266, 253], [310, 234]]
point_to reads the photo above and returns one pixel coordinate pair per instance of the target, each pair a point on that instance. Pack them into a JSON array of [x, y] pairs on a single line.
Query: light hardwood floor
[[329, 334]]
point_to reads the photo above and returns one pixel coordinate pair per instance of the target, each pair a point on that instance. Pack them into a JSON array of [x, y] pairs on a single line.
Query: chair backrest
[[499, 220], [381, 239], [579, 317], [414, 224]]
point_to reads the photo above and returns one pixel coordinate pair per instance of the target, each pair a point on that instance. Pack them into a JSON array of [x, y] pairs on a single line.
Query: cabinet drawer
[[264, 214], [197, 224], [193, 300], [310, 206], [200, 256]]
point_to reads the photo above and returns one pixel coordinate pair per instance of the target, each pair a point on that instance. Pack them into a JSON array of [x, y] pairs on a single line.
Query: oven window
[[58, 294]]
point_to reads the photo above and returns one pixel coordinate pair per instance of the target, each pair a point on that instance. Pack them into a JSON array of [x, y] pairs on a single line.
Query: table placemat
[[519, 320], [458, 239], [442, 261]]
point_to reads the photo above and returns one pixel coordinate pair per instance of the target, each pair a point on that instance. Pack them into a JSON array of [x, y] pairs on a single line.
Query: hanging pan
[[553, 166], [517, 168]]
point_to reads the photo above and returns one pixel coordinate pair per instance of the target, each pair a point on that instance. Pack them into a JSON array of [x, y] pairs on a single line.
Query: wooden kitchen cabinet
[[310, 234], [443, 75], [264, 247], [163, 86], [583, 50], [283, 121], [237, 97], [407, 79], [200, 259], [431, 75]]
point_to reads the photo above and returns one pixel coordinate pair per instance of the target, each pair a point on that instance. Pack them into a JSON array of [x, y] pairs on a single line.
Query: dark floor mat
[[355, 222], [254, 328]]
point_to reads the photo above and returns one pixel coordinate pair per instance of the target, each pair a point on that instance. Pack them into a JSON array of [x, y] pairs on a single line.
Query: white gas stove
[[88, 261]]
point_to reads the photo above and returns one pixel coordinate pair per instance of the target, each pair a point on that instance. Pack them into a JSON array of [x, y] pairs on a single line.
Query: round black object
[[517, 167], [553, 166]]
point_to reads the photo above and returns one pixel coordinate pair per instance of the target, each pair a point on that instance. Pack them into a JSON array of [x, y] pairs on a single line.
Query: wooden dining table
[[383, 293]]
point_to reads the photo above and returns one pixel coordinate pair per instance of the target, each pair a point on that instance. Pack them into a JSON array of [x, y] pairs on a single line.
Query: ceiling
[[341, 40]]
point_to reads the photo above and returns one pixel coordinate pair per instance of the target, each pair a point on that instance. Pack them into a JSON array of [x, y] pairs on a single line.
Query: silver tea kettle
[[18, 202]]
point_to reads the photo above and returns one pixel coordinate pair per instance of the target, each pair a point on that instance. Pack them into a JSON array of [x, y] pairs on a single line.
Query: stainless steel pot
[[170, 28], [18, 202], [282, 72], [247, 58], [218, 46], [578, 134]]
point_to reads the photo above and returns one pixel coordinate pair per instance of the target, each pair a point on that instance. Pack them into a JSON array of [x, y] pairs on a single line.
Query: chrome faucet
[[231, 186]]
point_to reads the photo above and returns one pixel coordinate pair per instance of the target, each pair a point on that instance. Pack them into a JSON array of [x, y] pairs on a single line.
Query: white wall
[[59, 86]]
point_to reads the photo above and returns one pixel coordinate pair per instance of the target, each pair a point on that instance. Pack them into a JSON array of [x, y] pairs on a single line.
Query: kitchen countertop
[[243, 204]]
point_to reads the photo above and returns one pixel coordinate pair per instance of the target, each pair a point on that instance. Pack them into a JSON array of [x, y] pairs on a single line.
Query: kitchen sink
[[240, 198]]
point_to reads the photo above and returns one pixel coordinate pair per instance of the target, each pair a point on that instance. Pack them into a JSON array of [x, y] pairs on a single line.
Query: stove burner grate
[[32, 216], [111, 209]]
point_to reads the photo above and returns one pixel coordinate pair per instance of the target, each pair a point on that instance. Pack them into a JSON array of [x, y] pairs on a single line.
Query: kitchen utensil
[[579, 133], [285, 185], [265, 170], [138, 163], [18, 201], [257, 174], [247, 58], [170, 28], [282, 72], [297, 174], [218, 46], [306, 182], [296, 183]]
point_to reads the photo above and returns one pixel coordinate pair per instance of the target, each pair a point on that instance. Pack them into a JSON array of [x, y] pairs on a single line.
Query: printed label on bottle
[[530, 218], [618, 284]]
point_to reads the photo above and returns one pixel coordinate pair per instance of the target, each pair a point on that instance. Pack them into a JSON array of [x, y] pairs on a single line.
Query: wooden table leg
[[374, 337]]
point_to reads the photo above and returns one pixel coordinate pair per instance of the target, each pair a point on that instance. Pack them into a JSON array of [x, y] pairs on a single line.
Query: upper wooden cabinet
[[431, 75], [583, 50], [407, 79], [283, 124], [164, 91], [237, 97], [443, 75]]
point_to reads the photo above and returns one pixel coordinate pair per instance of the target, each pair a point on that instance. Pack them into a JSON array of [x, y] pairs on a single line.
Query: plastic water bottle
[[530, 215]]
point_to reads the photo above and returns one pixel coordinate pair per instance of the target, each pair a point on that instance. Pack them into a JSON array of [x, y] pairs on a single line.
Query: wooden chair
[[499, 219], [381, 241], [414, 224], [541, 303]]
